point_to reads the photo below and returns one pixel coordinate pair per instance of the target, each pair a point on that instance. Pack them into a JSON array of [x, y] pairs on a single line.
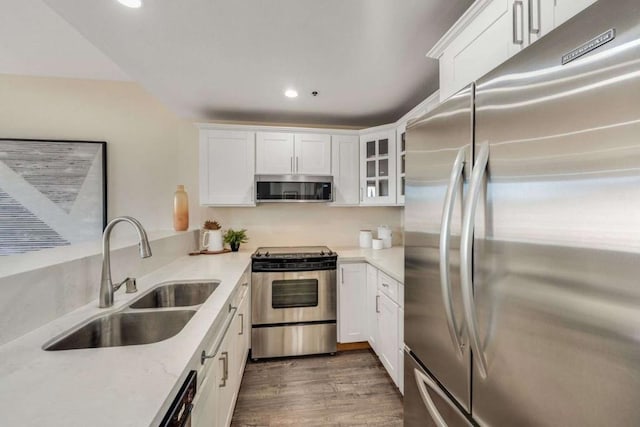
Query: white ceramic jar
[[365, 238]]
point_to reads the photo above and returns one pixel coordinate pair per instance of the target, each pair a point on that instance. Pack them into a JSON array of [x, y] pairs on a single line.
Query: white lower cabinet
[[220, 376], [388, 334], [371, 308], [400, 380], [352, 288]]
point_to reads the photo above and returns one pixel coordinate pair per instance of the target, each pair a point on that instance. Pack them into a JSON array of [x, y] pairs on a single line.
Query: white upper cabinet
[[227, 168], [401, 149], [345, 161], [312, 154], [492, 31], [378, 168], [274, 153], [282, 153], [563, 10]]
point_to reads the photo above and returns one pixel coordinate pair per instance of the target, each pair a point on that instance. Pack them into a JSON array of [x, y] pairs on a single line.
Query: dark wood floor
[[349, 389]]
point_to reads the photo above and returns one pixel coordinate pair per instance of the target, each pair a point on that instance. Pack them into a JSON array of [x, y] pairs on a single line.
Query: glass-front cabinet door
[[378, 168], [401, 145]]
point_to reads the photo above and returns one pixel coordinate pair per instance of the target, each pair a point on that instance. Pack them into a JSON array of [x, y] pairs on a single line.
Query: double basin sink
[[151, 318]]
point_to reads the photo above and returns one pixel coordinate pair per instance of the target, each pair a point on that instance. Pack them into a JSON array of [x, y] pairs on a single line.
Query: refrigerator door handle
[[466, 246], [445, 233], [422, 381]]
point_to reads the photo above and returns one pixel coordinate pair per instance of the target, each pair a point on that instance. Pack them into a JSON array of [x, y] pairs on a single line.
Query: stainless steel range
[[293, 301]]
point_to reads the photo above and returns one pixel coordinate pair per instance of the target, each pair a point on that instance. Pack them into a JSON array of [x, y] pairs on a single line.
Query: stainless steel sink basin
[[121, 329], [182, 294]]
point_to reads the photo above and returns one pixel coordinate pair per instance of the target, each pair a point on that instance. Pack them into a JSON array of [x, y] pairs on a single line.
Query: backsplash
[[307, 223]]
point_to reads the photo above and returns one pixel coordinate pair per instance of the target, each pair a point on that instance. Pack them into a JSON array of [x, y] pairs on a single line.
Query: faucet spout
[[106, 284]]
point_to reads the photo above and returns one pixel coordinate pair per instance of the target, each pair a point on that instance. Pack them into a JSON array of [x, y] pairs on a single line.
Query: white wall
[[143, 137], [144, 163]]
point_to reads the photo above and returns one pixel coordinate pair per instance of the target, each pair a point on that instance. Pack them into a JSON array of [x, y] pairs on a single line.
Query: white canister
[[377, 244], [212, 240], [384, 234], [365, 238]]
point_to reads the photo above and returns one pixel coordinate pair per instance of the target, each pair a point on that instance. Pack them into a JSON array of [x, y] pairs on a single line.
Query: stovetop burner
[[288, 252], [305, 258]]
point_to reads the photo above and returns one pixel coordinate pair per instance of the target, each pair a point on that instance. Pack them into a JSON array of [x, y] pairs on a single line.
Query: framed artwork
[[52, 193]]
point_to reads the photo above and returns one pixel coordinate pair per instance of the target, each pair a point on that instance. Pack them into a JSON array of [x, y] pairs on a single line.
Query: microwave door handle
[[455, 179], [466, 247]]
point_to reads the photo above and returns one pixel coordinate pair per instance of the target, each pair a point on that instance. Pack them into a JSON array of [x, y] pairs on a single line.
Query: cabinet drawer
[[388, 286]]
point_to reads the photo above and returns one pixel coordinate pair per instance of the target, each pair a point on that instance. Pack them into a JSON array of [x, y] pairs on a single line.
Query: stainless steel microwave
[[294, 188]]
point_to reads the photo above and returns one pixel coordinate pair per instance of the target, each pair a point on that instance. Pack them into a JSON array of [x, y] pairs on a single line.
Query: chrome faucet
[[107, 288]]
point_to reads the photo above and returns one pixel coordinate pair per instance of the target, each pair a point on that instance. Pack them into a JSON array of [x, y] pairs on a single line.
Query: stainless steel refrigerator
[[522, 244]]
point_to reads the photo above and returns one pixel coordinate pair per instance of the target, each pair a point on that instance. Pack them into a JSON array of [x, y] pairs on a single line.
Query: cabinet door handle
[[361, 193], [296, 164], [532, 10], [241, 315], [342, 275], [377, 303], [225, 368], [292, 164], [386, 285], [518, 5]]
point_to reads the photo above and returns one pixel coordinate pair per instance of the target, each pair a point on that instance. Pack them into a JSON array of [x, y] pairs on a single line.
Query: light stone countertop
[[390, 261], [131, 385], [115, 386]]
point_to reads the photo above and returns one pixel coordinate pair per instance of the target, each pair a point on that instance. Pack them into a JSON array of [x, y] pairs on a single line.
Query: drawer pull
[[225, 368]]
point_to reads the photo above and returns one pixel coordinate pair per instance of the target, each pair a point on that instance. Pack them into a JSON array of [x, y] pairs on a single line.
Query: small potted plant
[[212, 236], [234, 238]]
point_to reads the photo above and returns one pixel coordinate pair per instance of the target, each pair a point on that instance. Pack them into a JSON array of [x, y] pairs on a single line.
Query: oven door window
[[294, 293]]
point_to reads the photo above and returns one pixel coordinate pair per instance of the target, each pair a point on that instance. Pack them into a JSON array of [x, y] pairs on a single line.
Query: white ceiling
[[34, 40], [233, 59]]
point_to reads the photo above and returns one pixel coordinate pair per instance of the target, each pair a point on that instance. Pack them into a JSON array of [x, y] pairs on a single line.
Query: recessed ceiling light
[[291, 93], [131, 3]]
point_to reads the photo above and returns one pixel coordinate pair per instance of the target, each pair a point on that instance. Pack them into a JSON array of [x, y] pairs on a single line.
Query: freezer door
[[438, 162], [557, 229], [425, 403]]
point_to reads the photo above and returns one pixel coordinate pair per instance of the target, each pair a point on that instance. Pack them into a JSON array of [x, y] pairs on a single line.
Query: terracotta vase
[[180, 209]]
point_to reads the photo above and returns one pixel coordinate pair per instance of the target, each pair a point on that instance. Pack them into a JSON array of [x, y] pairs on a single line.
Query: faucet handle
[[132, 286], [130, 282]]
